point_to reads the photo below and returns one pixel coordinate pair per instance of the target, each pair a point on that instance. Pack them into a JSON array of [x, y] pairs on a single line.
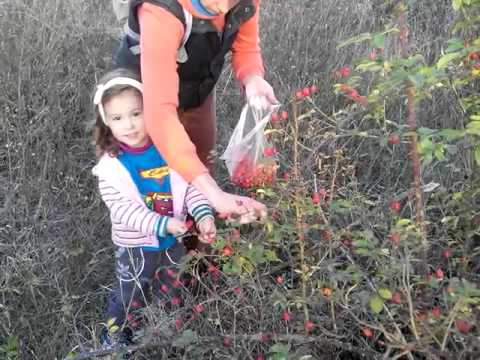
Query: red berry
[[286, 316], [345, 88], [463, 326], [280, 280], [134, 324], [436, 312], [373, 55], [130, 317], [395, 238], [393, 139], [227, 251], [189, 224], [354, 93], [269, 151], [439, 274], [265, 337], [395, 206], [177, 284], [178, 324], [367, 332], [275, 117], [212, 268], [260, 357], [473, 56], [227, 342], [315, 198], [344, 71], [284, 115], [171, 273], [235, 233], [176, 301], [198, 308], [306, 92], [299, 95], [422, 316], [135, 304], [164, 288], [396, 297], [327, 235], [237, 290], [309, 325], [447, 253], [313, 89]]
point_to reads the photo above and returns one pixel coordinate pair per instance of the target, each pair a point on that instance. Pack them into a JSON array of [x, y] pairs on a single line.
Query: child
[[147, 203]]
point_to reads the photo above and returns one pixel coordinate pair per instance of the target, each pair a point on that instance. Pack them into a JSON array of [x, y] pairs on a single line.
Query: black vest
[[206, 48]]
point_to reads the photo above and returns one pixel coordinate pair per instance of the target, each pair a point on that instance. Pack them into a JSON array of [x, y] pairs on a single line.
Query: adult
[[180, 48]]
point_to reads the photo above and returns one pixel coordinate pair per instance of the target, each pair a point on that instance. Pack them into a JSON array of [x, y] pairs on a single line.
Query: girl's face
[[124, 117], [219, 6]]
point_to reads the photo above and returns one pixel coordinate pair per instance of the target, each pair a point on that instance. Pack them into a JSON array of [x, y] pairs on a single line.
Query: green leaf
[[113, 329], [477, 154], [451, 134], [256, 253], [447, 58], [188, 337], [454, 45], [473, 128], [439, 152], [354, 40], [404, 222], [231, 267], [376, 304], [385, 293], [280, 348], [271, 255], [341, 206], [111, 322], [457, 4], [362, 251], [379, 41]]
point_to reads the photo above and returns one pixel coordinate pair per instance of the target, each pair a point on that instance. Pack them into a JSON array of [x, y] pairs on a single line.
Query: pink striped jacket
[[133, 223]]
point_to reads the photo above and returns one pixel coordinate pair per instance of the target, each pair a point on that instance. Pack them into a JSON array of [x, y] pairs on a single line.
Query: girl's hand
[[207, 230], [176, 227], [259, 92]]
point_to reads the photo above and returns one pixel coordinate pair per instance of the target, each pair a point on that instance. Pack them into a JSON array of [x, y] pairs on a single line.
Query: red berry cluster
[[247, 174], [305, 92], [278, 116], [353, 94], [343, 72]]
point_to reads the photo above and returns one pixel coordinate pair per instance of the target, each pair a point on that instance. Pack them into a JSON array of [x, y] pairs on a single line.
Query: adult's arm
[[248, 64], [246, 51], [161, 35]]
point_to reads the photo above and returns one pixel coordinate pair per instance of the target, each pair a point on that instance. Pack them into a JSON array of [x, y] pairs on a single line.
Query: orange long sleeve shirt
[[161, 36]]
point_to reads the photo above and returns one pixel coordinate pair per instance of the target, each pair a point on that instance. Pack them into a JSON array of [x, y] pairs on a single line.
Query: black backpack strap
[[132, 27]]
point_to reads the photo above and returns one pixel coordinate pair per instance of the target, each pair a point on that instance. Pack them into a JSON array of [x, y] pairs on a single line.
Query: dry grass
[[54, 243]]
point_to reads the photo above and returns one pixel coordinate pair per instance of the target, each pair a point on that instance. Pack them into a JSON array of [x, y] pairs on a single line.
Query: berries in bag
[[249, 157]]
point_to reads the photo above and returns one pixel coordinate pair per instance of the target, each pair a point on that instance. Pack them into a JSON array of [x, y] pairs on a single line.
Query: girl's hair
[[103, 138]]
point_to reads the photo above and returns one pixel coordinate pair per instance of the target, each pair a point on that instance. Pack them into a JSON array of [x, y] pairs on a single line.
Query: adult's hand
[[259, 92], [242, 208]]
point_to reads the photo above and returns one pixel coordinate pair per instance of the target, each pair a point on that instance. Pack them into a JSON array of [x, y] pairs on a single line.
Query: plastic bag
[[249, 157]]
